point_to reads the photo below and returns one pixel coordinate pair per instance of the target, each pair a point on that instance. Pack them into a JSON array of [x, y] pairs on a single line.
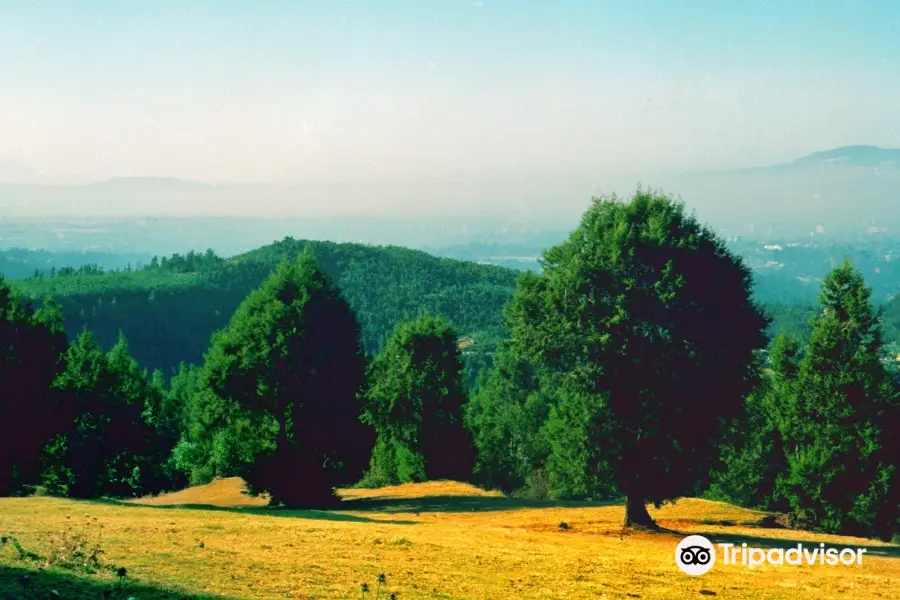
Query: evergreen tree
[[277, 397], [188, 456], [415, 400], [164, 410], [752, 457], [644, 329], [840, 421], [30, 346], [506, 416], [112, 448]]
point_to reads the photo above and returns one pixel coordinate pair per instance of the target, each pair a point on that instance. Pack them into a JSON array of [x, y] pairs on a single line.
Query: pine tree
[[841, 420], [415, 400], [506, 416], [31, 342], [109, 449], [277, 397], [188, 456], [752, 456], [164, 413]]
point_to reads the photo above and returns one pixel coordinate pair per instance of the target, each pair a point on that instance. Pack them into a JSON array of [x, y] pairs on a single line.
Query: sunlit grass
[[435, 540]]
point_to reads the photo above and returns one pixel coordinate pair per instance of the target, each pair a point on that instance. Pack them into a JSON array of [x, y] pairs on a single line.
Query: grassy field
[[434, 540]]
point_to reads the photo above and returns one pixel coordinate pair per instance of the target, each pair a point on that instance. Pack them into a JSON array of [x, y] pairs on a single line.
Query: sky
[[394, 91]]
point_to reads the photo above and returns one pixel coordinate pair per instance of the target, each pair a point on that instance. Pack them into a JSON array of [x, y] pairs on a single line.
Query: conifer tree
[[277, 397], [506, 416], [31, 342], [111, 448], [415, 400], [752, 457], [840, 420]]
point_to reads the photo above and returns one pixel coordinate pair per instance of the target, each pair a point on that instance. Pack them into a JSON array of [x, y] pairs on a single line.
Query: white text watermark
[[696, 555]]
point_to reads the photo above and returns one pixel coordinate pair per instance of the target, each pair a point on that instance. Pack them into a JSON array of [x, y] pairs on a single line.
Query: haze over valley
[[843, 191]]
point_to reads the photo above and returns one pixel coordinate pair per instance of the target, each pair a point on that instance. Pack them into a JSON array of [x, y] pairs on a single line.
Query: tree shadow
[[381, 504], [451, 504], [753, 541], [18, 583], [316, 515]]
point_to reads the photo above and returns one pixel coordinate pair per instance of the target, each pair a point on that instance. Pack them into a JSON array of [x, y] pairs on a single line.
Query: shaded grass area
[[25, 584], [382, 505], [455, 503], [314, 515], [231, 495]]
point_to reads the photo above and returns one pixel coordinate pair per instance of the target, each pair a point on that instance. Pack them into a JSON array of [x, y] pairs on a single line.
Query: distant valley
[[842, 192], [791, 222]]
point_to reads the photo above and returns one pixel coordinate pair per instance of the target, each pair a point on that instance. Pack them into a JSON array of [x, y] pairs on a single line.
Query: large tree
[[840, 419], [31, 342], [276, 400], [415, 400], [644, 329]]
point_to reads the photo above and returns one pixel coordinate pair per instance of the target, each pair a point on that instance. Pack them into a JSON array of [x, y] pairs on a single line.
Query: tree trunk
[[636, 513]]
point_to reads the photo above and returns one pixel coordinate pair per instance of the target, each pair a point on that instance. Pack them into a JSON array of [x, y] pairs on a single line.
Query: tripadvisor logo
[[696, 555]]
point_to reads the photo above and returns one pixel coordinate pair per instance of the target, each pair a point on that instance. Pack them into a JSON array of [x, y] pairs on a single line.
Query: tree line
[[169, 308], [635, 365]]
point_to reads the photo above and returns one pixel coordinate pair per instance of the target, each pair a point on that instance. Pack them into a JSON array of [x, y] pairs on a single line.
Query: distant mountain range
[[858, 156], [848, 189]]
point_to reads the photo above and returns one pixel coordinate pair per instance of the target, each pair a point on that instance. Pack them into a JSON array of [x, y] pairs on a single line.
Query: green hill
[[169, 310]]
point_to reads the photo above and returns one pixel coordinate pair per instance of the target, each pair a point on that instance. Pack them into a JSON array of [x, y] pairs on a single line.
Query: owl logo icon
[[695, 555]]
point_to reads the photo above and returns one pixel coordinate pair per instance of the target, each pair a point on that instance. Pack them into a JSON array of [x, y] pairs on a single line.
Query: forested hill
[[169, 310]]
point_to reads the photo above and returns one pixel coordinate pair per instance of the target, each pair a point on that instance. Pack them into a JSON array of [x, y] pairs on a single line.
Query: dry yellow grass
[[430, 489], [437, 540], [223, 493]]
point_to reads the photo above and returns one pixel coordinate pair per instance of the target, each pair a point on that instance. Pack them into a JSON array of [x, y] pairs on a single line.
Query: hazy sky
[[347, 90]]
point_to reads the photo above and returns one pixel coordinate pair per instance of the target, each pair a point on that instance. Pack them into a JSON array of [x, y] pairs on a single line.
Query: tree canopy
[[276, 400], [31, 342], [644, 331], [109, 448], [415, 399], [840, 417]]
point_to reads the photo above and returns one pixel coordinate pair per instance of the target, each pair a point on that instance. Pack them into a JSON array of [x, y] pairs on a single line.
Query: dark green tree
[[181, 389], [415, 400], [164, 412], [30, 346], [191, 456], [277, 397], [112, 447], [752, 456], [643, 327], [840, 420], [506, 416]]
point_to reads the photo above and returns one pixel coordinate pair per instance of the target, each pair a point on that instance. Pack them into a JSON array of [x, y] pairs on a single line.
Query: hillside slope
[[436, 540], [168, 313]]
